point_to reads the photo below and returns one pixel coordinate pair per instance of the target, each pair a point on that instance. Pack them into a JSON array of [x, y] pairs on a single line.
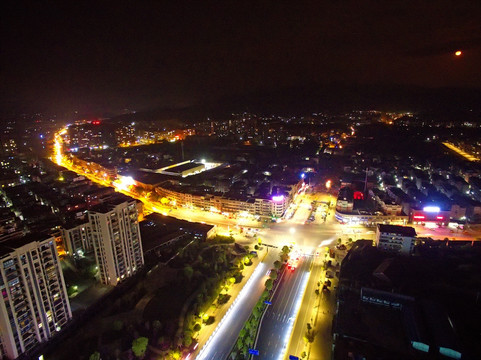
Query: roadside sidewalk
[[219, 312]]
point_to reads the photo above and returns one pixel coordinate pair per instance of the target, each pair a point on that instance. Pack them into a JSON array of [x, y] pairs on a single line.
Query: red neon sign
[[421, 217], [358, 195]]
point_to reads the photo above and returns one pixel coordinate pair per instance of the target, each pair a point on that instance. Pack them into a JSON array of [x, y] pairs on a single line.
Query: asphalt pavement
[[279, 318], [225, 335], [308, 309]]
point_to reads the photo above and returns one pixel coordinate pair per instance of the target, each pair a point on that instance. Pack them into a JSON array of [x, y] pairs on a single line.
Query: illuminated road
[[225, 335], [193, 215], [318, 311], [280, 317], [461, 152]]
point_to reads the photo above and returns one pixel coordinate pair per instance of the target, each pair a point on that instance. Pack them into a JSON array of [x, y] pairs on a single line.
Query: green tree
[[188, 272], [118, 325], [309, 335], [339, 241], [174, 354], [210, 320], [240, 343], [285, 253], [273, 274], [223, 298], [156, 325], [277, 264], [268, 284], [256, 312], [197, 327], [187, 338], [95, 356], [139, 346]]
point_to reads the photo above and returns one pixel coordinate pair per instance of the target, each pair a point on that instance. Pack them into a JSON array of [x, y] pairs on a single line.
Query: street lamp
[[328, 184], [292, 230]]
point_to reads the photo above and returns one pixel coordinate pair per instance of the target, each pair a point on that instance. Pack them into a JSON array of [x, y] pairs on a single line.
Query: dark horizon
[[93, 57]]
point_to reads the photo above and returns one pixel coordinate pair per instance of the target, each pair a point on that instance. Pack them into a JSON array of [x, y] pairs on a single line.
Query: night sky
[[104, 57]]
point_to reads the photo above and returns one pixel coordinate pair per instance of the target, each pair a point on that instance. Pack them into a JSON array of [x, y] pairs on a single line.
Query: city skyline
[[240, 180]]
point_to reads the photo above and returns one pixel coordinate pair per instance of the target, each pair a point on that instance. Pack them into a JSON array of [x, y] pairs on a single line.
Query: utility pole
[[365, 182]]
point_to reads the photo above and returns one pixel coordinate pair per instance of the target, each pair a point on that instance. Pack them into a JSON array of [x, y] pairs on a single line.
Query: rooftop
[[8, 246], [117, 199], [396, 229]]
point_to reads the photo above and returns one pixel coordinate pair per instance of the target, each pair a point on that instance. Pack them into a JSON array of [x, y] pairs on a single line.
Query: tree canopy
[[139, 346]]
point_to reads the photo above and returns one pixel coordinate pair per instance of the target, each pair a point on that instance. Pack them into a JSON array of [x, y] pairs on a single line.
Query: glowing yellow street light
[[458, 53]]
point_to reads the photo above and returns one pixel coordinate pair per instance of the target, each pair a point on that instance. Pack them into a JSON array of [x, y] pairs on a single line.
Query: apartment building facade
[[77, 239], [34, 304], [116, 239]]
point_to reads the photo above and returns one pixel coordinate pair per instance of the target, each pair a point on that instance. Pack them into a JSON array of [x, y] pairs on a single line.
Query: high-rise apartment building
[[33, 304], [77, 239], [116, 239]]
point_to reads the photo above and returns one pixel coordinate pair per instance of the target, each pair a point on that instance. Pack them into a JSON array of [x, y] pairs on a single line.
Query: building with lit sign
[[351, 208], [266, 208], [430, 214]]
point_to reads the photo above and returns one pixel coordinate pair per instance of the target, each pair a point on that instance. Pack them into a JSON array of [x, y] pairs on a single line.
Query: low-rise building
[[393, 238]]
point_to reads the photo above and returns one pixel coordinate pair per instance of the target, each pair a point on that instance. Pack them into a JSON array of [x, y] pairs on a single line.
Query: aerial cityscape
[[240, 180]]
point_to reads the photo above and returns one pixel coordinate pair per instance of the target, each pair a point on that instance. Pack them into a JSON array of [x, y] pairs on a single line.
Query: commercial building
[[354, 207], [386, 308], [433, 214], [393, 238], [183, 169], [116, 239], [34, 304]]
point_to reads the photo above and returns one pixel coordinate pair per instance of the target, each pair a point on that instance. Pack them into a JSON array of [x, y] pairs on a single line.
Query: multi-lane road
[[280, 317], [220, 343]]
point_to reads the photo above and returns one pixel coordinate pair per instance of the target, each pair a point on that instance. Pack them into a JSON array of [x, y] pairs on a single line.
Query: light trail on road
[[208, 351], [292, 320]]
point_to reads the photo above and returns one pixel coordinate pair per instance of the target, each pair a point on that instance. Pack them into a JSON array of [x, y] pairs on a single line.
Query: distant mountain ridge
[[450, 103]]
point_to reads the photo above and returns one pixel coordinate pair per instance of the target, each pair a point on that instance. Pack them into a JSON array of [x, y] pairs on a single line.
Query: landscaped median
[[230, 313], [248, 335]]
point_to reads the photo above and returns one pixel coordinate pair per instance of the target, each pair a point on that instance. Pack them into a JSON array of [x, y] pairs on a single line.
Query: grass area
[[162, 304], [166, 306]]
